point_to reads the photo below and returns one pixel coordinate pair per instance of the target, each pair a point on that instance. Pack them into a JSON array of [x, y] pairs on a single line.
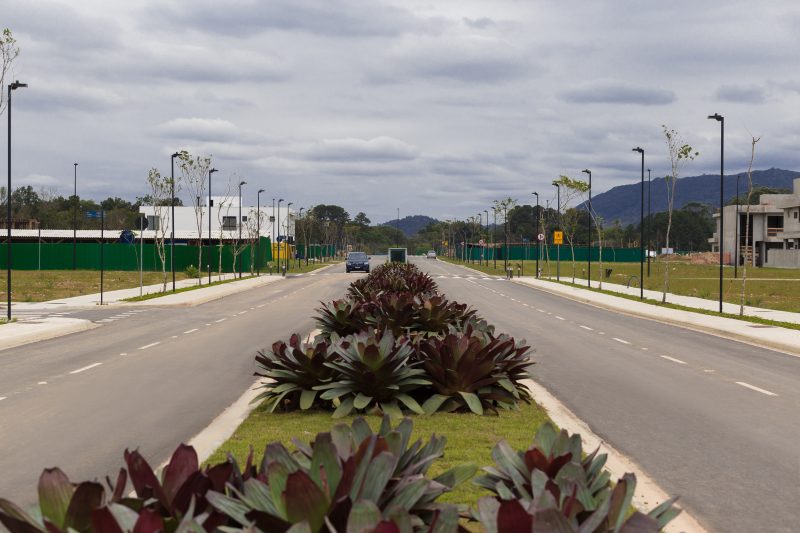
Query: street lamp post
[[75, 217], [172, 219], [278, 236], [305, 251], [641, 230], [258, 231], [649, 225], [558, 219], [487, 237], [589, 280], [11, 87], [538, 242], [239, 244], [288, 214], [719, 118], [737, 248], [210, 171]]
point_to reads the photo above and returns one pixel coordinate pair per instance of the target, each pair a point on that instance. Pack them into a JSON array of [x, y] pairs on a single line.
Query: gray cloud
[[206, 130], [617, 92], [748, 94], [381, 149]]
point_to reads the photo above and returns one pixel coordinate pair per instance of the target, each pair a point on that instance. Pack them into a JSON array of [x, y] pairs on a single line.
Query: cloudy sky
[[434, 107]]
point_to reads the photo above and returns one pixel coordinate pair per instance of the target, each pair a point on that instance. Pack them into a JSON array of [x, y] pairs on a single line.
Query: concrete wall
[[186, 221], [783, 258]]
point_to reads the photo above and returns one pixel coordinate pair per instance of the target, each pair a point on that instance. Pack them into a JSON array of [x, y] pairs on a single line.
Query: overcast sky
[[434, 107]]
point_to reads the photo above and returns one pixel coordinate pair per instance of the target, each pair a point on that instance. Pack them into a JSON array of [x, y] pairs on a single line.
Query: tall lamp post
[[278, 236], [538, 242], [210, 203], [172, 219], [737, 248], [75, 217], [649, 225], [719, 118], [641, 230], [589, 280], [288, 214], [11, 87], [258, 231], [558, 220], [240, 225], [305, 251]]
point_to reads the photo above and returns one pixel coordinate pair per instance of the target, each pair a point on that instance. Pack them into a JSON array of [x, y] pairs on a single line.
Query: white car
[[431, 254]]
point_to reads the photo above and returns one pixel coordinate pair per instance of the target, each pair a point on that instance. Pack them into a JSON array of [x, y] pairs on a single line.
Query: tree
[[194, 175], [160, 190], [501, 207], [570, 190], [753, 142], [255, 221], [225, 204], [361, 219], [8, 53], [679, 154]]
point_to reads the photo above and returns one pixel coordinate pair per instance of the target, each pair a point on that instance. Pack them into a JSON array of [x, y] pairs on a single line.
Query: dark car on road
[[357, 261]]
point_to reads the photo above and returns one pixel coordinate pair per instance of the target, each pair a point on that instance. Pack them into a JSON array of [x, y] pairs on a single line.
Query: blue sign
[[94, 214]]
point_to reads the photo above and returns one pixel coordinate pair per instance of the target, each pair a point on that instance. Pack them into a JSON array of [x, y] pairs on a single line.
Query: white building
[[225, 222], [774, 235]]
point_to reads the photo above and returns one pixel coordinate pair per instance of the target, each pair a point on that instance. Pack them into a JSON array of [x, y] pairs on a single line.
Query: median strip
[[84, 369], [757, 389]]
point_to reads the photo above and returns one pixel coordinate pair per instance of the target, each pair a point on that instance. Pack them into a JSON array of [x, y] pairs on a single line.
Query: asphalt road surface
[[147, 377], [712, 420]]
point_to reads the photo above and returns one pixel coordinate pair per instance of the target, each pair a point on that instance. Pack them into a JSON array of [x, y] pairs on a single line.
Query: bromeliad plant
[[351, 479], [373, 370], [552, 486], [472, 371], [293, 371]]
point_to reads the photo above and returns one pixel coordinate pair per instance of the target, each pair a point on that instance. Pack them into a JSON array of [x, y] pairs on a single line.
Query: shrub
[[192, 272]]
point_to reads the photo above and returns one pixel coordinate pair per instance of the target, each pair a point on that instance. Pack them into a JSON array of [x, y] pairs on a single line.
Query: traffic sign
[[141, 223], [558, 237], [540, 236], [94, 214]]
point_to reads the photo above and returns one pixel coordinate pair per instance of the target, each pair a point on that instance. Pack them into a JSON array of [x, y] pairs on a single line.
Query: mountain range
[[623, 202], [411, 224]]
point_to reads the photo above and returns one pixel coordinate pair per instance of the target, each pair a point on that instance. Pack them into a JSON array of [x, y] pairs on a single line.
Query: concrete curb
[[648, 494], [26, 333], [205, 294]]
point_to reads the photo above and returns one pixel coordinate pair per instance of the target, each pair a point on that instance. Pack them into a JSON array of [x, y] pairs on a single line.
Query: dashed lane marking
[[587, 328], [220, 320], [190, 331], [146, 346], [85, 368], [42, 383], [623, 341], [3, 398], [668, 358], [560, 317], [757, 389]]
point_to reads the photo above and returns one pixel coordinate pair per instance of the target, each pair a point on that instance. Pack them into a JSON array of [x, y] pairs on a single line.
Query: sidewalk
[[783, 339]]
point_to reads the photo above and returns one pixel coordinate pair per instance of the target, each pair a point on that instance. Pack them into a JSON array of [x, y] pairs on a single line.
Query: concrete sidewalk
[[783, 339]]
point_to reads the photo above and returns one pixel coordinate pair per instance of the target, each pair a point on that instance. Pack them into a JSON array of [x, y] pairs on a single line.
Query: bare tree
[[194, 175], [223, 212], [255, 221], [160, 193], [8, 53], [679, 154], [748, 252], [571, 189], [502, 207]]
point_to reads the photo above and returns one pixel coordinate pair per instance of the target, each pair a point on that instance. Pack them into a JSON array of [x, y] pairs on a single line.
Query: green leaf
[[446, 520], [307, 397], [55, 493], [391, 409], [325, 468], [302, 527], [457, 475], [344, 408], [230, 507], [361, 401], [473, 402], [364, 517], [305, 501], [88, 496], [433, 403], [410, 402], [378, 475]]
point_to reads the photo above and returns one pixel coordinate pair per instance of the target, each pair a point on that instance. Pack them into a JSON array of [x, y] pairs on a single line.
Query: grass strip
[[470, 438]]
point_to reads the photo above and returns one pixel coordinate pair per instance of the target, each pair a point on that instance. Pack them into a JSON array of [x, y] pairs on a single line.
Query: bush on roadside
[[192, 272]]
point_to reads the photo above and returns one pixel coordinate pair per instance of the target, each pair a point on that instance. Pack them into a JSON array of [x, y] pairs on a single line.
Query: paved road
[[150, 378], [712, 420]]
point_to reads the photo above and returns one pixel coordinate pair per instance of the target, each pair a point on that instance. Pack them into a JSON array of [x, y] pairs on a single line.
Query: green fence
[[118, 256], [516, 253], [317, 251]]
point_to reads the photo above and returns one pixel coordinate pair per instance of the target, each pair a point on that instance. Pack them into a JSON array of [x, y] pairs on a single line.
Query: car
[[357, 261], [431, 254]]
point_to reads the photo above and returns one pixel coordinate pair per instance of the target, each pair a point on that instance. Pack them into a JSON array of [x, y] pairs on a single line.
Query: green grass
[[769, 288], [470, 438], [45, 285], [4, 321]]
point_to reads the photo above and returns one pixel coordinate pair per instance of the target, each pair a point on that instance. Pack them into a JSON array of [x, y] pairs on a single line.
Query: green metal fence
[[119, 256], [517, 253]]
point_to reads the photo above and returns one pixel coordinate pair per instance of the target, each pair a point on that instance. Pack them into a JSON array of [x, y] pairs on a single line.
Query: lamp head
[[290, 203], [260, 191], [638, 149], [587, 171], [212, 170], [176, 154], [17, 85], [717, 117], [242, 183], [279, 201], [536, 193]]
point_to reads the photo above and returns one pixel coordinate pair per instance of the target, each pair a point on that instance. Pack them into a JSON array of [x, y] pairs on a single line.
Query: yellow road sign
[[558, 237]]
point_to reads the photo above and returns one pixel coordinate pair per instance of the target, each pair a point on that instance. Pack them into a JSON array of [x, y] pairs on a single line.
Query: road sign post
[[558, 240], [141, 225], [101, 215]]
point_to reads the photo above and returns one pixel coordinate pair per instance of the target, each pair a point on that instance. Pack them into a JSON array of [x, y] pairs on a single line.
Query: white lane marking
[[526, 305], [174, 337], [220, 320], [3, 398], [106, 320], [560, 317], [208, 324], [146, 346], [124, 353], [243, 312], [601, 332], [708, 370], [623, 341], [85, 368], [644, 349], [486, 278], [503, 295], [668, 358], [541, 310], [757, 389], [190, 331], [587, 328], [252, 308], [260, 306], [42, 383]]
